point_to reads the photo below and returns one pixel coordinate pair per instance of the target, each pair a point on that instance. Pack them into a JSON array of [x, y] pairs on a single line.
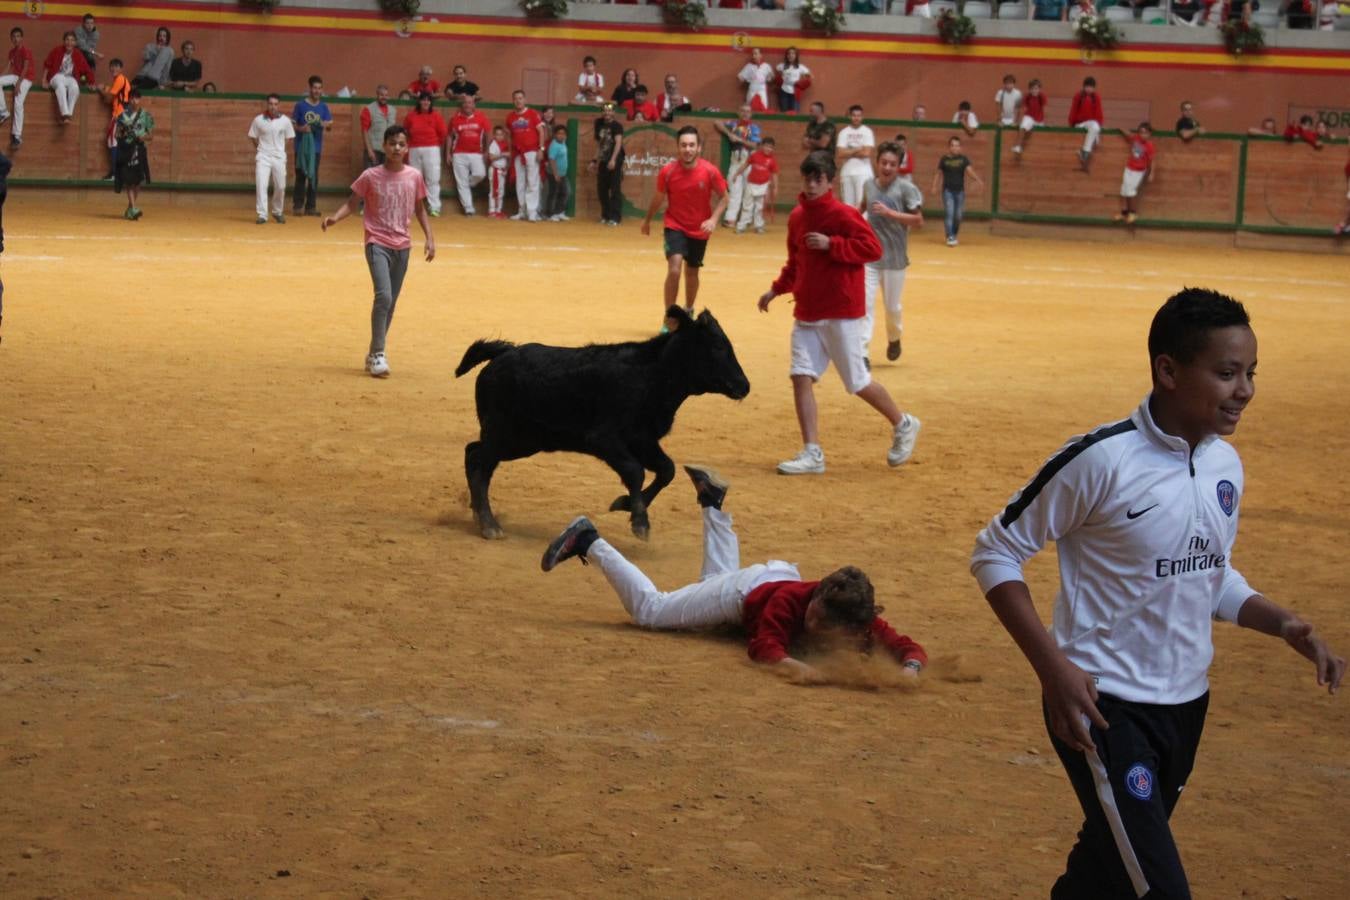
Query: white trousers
[[527, 184], [1094, 133], [891, 283], [427, 160], [273, 169], [21, 87], [67, 91], [496, 190], [752, 206], [468, 170], [851, 187], [717, 598], [735, 188]]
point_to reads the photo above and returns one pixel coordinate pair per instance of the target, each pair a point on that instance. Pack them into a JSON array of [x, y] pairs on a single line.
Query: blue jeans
[[788, 102], [953, 205]]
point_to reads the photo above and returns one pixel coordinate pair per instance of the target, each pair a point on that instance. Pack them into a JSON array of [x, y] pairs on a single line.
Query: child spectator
[[62, 71], [590, 83], [670, 101], [756, 75], [626, 87], [86, 38], [134, 130], [269, 133], [527, 138], [117, 92], [155, 62], [461, 86], [854, 147], [640, 108], [1009, 100], [761, 185], [1187, 12], [427, 134], [1139, 164], [1033, 115], [1305, 131], [793, 79], [186, 72], [607, 165], [1085, 112], [906, 168], [744, 135], [920, 113], [20, 75], [499, 157], [951, 175], [1267, 128], [1188, 127], [892, 205], [389, 195], [470, 132], [376, 117], [424, 84], [965, 117], [557, 188], [311, 118]]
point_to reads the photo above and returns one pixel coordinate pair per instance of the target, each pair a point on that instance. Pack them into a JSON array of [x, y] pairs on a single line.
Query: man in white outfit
[[854, 147], [528, 137], [269, 133]]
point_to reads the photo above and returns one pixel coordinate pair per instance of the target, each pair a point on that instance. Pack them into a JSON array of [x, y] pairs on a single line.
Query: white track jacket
[[1144, 530]]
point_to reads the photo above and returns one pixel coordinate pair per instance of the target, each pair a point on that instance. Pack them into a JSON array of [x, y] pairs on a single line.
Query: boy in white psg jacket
[[1144, 514]]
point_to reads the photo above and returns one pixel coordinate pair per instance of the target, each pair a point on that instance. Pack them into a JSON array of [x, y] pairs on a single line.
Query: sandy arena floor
[[252, 646]]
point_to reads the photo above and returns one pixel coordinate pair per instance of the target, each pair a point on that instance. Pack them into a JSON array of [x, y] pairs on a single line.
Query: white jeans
[[427, 160], [735, 187], [891, 282], [1094, 133], [67, 91], [468, 170], [851, 187], [20, 92], [497, 189], [275, 170], [752, 206], [718, 597], [527, 184]]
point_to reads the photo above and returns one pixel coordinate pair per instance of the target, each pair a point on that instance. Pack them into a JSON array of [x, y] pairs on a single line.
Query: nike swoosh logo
[[1131, 514]]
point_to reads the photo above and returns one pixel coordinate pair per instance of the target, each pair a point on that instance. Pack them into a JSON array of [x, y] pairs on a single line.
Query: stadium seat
[[1266, 18], [977, 9], [1119, 14], [1014, 12]]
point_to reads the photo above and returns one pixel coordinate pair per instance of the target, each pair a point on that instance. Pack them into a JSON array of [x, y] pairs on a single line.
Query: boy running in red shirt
[[761, 185], [828, 244], [1139, 164], [687, 186]]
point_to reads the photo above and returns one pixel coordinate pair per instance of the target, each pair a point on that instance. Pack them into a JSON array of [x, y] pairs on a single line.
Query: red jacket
[[21, 63], [52, 64], [827, 284], [1086, 108], [1294, 133], [425, 129], [775, 616]]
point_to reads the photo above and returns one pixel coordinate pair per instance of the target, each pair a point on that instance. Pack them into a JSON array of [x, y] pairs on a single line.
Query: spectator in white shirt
[[756, 75], [269, 133], [1009, 100], [965, 117], [590, 83]]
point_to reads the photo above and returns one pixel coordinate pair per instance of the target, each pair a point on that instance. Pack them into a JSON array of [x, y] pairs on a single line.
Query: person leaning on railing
[[156, 59]]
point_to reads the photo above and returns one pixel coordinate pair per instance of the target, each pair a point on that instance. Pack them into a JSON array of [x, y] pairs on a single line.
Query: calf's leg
[[654, 459], [631, 473], [479, 464]]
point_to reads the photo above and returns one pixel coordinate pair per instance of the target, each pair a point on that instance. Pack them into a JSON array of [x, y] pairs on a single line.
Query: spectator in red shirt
[[526, 128], [1307, 132], [1139, 164], [376, 117], [470, 132], [1085, 112], [1033, 115], [761, 186], [427, 134], [424, 83], [640, 106], [828, 244], [687, 186], [63, 70], [20, 76], [779, 611]]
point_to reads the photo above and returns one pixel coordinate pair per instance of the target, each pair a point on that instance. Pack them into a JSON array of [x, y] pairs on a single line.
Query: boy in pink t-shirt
[[392, 194]]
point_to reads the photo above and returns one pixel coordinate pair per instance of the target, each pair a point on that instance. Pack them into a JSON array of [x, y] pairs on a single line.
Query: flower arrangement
[[822, 15], [1096, 32], [682, 14], [1241, 37], [401, 7], [544, 9], [954, 28]]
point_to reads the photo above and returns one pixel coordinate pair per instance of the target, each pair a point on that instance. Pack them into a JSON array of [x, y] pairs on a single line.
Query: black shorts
[[677, 242]]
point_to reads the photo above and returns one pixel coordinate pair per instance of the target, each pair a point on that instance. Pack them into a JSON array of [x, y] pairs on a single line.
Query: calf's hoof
[[622, 503], [491, 532], [642, 530]]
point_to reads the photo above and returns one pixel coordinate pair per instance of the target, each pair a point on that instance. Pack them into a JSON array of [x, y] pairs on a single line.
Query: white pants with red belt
[[527, 184], [427, 160], [496, 188]]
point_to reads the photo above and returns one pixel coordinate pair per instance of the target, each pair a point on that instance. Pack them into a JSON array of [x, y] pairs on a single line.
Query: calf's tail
[[481, 352]]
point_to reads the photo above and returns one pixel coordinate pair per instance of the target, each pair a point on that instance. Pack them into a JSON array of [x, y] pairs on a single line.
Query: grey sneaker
[[810, 461], [262, 220], [902, 444], [575, 540], [710, 487]]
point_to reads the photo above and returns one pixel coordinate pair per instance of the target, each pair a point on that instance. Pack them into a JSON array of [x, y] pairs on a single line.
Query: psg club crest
[[1139, 780], [1227, 496]]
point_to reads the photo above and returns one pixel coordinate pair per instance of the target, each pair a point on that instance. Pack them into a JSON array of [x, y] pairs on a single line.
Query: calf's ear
[[676, 317]]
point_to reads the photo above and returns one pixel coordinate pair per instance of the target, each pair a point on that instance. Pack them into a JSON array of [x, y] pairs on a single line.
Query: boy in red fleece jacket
[[828, 244], [776, 608]]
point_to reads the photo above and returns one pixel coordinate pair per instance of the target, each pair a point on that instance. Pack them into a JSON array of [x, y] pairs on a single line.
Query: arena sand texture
[[251, 645]]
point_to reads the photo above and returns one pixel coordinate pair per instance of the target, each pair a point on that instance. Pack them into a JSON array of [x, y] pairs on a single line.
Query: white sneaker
[[562, 217], [377, 365], [518, 217], [951, 242], [810, 461], [902, 444]]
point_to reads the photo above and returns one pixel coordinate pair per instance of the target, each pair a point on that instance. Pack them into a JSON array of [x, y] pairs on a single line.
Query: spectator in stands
[[965, 117], [905, 170], [376, 117], [920, 112], [756, 75], [1049, 10], [556, 188], [819, 131], [311, 117], [608, 166], [499, 159], [855, 147], [626, 87], [867, 7], [424, 84], [62, 71], [470, 132], [134, 130], [793, 78], [117, 92], [527, 138], [427, 134], [461, 86], [1085, 112], [1188, 127], [1187, 12], [86, 38], [185, 73], [951, 175], [269, 133], [1033, 115], [743, 133], [640, 108], [1138, 164], [670, 101], [1267, 128], [1306, 131], [155, 62], [1009, 102], [590, 83], [1326, 16], [209, 87], [1342, 228], [20, 74], [761, 186], [1240, 10]]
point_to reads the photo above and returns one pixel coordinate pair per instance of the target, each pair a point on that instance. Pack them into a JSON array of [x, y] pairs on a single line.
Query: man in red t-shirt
[[828, 244], [777, 609], [687, 187], [424, 84], [1139, 164], [469, 134], [20, 75], [526, 128]]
